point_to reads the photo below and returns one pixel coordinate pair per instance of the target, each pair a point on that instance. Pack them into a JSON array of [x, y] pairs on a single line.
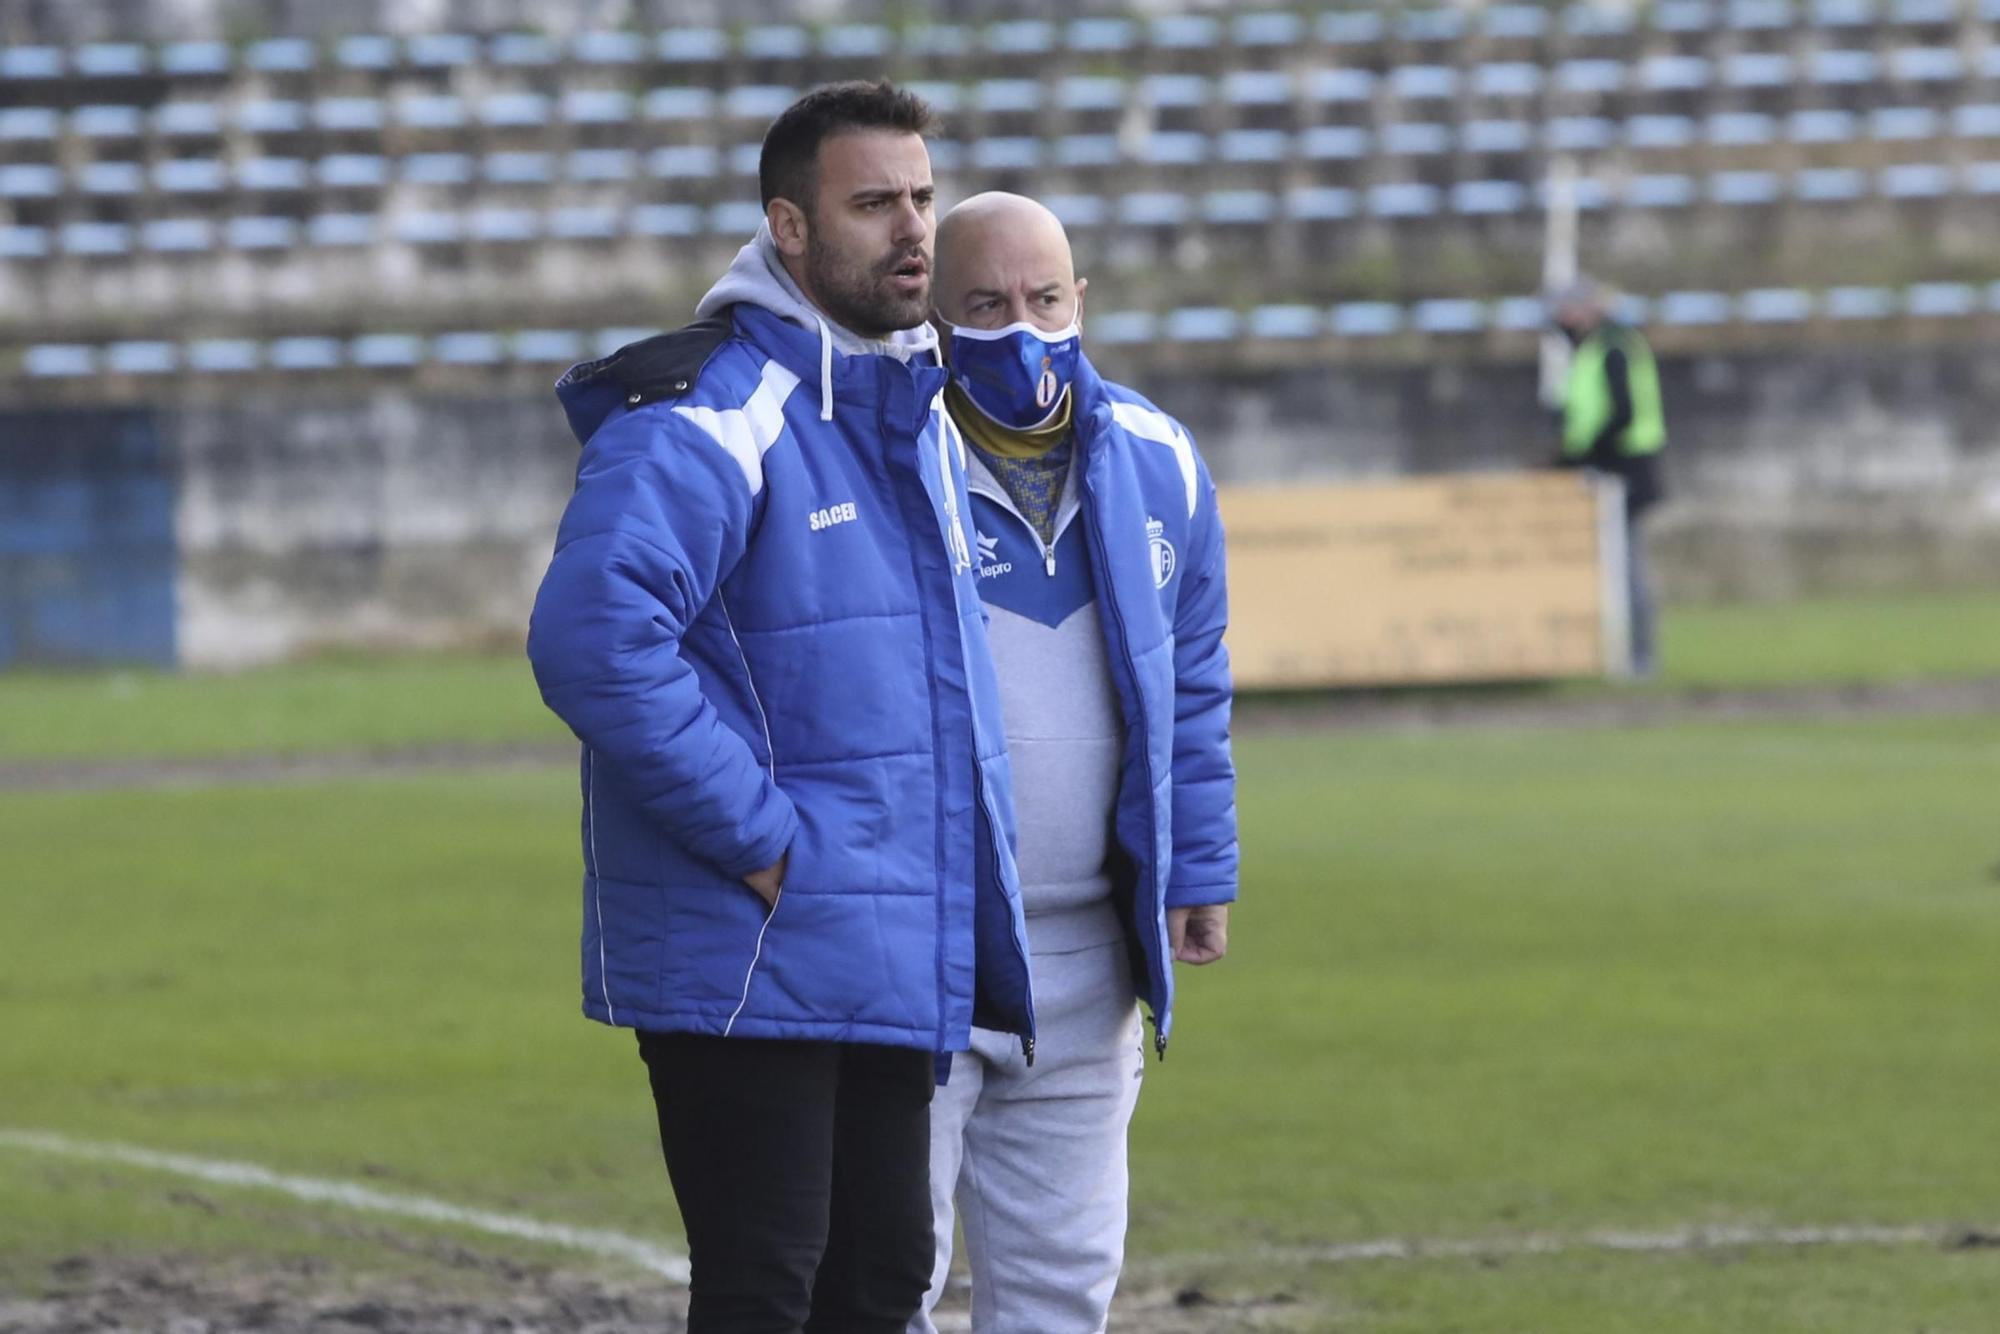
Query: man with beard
[[761, 621], [1101, 566]]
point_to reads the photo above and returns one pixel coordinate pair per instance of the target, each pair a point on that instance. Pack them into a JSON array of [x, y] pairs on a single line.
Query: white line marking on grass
[[661, 1260]]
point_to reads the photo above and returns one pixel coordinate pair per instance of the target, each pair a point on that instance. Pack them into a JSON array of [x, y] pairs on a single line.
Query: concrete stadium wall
[[277, 523]]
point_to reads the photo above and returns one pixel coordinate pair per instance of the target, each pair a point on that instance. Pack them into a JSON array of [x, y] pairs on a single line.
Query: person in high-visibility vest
[[1613, 422]]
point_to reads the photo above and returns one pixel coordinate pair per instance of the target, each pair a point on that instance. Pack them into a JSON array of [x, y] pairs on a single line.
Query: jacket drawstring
[[825, 370]]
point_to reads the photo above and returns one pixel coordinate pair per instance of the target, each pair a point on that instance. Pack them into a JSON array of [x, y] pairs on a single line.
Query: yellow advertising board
[[1477, 577]]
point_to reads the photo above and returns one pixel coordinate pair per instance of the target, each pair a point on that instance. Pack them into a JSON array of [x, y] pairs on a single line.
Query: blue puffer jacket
[[763, 626]]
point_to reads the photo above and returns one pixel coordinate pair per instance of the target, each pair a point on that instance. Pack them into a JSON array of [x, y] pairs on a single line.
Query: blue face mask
[[1016, 375]]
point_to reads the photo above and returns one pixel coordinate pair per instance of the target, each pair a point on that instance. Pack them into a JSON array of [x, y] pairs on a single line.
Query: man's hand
[[769, 881], [1198, 935]]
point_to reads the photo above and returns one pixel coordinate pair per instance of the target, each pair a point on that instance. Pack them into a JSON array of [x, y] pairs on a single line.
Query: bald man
[[1100, 565]]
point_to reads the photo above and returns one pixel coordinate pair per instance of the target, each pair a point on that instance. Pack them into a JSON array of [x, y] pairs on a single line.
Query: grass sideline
[[1481, 985], [390, 702]]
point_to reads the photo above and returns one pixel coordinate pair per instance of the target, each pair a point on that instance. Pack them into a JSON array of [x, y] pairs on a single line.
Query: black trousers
[[802, 1170]]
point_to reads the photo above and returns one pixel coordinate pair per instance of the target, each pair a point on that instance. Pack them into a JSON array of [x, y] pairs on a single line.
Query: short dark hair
[[788, 168]]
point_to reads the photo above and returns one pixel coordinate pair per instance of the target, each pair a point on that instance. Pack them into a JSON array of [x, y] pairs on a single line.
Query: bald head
[[1004, 259]]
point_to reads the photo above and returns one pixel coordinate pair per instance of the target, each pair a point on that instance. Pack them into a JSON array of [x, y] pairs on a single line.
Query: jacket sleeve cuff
[[771, 843], [1201, 896]]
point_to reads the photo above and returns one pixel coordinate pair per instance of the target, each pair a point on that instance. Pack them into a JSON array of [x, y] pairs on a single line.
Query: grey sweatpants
[[1035, 1157]]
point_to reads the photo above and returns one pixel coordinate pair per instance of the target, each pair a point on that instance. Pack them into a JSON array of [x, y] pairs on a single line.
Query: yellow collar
[[1004, 441]]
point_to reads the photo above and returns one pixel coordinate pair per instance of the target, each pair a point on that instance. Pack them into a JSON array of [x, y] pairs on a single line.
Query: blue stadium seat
[[1822, 127], [736, 218], [59, 359], [1580, 134], [679, 104], [112, 178], [1488, 198], [216, 355], [1430, 24], [1365, 319], [1915, 180], [1843, 13], [1414, 139], [1254, 145], [437, 168], [604, 47], [1340, 85], [1021, 37], [1989, 62], [1100, 35], [1517, 313], [1078, 211], [944, 98], [1659, 132], [431, 111], [1741, 127], [269, 116], [1350, 27], [854, 41], [1674, 73], [942, 40], [596, 106], [947, 155], [1744, 187], [665, 220], [354, 171], [1659, 191], [349, 115], [110, 60], [757, 101], [1403, 199], [31, 62], [1125, 326], [607, 341], [107, 122], [1760, 15], [190, 59], [1007, 95], [178, 235], [514, 109], [280, 55], [469, 349], [1591, 76], [1285, 322], [1775, 305], [1081, 93], [560, 346], [1334, 143], [1844, 67], [1320, 203], [1153, 208], [1942, 300], [1859, 303], [1257, 88], [272, 173], [1008, 153], [1506, 79], [370, 51], [1183, 32], [1514, 21], [1448, 316], [142, 358], [341, 229], [601, 164], [30, 180], [1694, 308], [777, 41], [502, 226], [1421, 82], [96, 238], [29, 123], [1903, 123], [1818, 185], [1275, 28], [1757, 69], [1980, 178], [384, 351], [585, 224], [1586, 19], [1928, 64], [190, 175], [1683, 16], [1088, 150], [261, 233], [1203, 324], [517, 168], [1496, 136], [1176, 90], [1238, 207], [19, 242], [441, 50], [429, 228], [189, 119], [1934, 13], [521, 49], [693, 46], [1174, 148], [306, 354]]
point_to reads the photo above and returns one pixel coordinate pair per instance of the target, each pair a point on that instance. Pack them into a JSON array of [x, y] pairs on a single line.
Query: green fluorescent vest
[[1587, 397]]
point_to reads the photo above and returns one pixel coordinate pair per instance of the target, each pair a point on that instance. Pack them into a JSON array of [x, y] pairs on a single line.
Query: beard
[[861, 295]]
